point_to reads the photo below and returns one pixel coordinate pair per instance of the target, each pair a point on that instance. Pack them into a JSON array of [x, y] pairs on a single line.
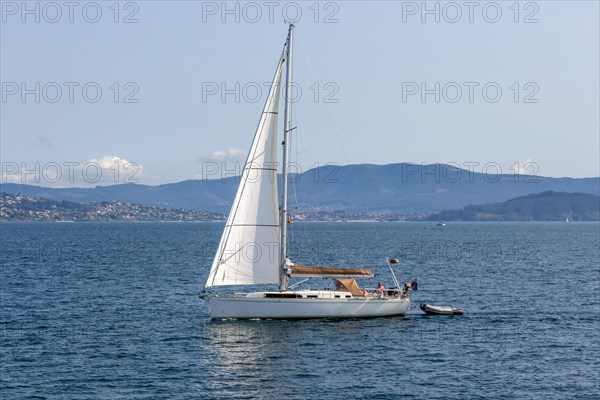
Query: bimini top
[[348, 285], [310, 272]]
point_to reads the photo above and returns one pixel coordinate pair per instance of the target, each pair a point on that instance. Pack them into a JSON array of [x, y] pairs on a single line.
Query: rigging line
[[304, 230], [339, 244], [293, 161], [289, 130], [314, 75], [312, 194], [290, 229], [335, 130], [294, 141], [312, 70]]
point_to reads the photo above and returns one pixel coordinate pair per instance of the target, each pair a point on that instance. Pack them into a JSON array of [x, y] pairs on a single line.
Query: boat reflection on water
[[241, 350], [258, 354], [259, 357]]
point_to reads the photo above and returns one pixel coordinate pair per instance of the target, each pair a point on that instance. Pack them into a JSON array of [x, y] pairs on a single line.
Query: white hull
[[253, 307]]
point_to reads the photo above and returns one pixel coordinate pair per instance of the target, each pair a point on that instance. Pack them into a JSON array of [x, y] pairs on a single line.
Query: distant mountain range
[[363, 188], [545, 206]]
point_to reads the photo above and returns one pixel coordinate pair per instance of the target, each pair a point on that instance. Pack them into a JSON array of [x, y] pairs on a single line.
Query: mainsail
[[248, 252]]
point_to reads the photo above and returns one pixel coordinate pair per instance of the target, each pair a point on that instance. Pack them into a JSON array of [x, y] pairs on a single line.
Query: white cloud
[[106, 170], [526, 167], [108, 162], [229, 155], [221, 164], [114, 169], [12, 177]]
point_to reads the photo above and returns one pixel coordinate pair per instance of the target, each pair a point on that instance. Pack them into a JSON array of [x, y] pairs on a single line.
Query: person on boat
[[406, 291], [414, 284], [379, 289], [365, 292]]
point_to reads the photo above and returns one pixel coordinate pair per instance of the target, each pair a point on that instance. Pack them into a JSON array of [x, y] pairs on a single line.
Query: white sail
[[248, 253]]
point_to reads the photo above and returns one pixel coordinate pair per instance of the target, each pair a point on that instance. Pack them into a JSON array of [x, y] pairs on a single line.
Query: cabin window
[[348, 296], [283, 295], [312, 296], [337, 296]]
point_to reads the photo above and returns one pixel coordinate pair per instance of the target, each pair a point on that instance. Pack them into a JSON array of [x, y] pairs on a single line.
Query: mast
[[287, 127]]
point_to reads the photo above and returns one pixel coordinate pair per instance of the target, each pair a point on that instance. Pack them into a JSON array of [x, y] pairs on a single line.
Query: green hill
[[545, 206]]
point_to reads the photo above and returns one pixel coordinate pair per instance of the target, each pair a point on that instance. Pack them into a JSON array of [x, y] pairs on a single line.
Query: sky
[[157, 92]]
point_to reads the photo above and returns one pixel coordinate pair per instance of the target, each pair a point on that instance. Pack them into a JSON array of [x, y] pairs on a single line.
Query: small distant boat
[[441, 310], [440, 223], [567, 219]]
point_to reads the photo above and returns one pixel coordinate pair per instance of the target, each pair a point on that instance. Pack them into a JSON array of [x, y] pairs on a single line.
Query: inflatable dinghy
[[441, 310]]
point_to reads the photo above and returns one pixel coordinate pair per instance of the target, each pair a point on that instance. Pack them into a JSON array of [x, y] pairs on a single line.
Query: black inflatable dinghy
[[441, 310]]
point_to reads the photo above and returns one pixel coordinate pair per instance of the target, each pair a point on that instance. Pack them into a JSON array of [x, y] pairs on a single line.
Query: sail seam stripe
[[267, 225]]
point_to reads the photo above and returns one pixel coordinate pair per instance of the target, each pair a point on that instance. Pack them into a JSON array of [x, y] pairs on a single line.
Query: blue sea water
[[111, 310]]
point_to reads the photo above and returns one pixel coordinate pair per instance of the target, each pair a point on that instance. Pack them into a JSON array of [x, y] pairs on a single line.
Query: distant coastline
[[23, 208], [545, 206]]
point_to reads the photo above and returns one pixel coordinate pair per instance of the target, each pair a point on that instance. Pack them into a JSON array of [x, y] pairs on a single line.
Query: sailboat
[[253, 249]]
